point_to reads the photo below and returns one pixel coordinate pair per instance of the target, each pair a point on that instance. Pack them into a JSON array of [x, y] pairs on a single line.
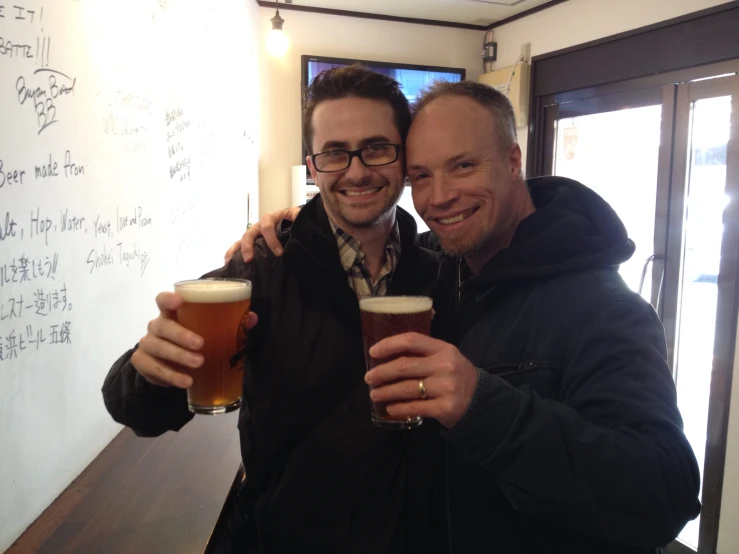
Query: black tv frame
[[304, 59]]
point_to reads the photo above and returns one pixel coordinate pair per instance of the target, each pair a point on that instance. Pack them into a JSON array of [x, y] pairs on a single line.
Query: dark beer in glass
[[386, 316]]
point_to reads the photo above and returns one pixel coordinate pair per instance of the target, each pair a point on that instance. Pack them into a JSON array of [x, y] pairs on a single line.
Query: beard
[[461, 244], [457, 247]]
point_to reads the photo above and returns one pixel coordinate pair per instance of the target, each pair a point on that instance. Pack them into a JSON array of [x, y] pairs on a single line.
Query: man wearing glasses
[[319, 476]]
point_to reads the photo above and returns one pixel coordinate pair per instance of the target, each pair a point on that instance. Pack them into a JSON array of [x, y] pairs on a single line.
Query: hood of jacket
[[571, 229]]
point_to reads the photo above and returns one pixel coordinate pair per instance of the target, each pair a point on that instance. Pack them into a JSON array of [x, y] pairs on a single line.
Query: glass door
[[611, 144]]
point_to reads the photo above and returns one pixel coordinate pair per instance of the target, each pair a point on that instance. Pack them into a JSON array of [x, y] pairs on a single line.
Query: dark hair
[[354, 81], [487, 97]]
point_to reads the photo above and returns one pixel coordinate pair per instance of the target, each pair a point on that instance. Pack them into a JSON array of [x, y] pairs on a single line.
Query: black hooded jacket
[[573, 443]]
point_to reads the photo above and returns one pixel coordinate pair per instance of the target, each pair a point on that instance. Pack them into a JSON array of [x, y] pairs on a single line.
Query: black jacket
[[320, 476], [573, 442]]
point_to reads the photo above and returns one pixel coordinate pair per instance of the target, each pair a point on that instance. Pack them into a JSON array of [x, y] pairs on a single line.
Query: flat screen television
[[412, 78]]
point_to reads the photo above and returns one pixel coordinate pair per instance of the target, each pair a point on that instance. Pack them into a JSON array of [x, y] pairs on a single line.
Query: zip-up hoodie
[[573, 442]]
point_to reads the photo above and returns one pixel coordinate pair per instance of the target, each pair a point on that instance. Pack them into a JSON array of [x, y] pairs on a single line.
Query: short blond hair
[[489, 98]]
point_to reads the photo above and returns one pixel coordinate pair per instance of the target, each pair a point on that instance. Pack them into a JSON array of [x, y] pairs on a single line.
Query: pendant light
[[276, 40]]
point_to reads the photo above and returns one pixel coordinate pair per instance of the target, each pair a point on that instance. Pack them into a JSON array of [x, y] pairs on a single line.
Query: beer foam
[[396, 304], [213, 291]]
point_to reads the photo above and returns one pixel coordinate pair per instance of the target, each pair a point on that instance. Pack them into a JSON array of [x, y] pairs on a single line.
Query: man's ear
[[515, 162], [311, 167]]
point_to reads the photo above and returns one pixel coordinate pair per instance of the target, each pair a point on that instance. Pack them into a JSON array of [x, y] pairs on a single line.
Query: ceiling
[[471, 12]]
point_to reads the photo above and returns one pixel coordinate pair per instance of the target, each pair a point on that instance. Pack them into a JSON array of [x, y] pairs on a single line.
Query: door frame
[[727, 305], [695, 40], [724, 350]]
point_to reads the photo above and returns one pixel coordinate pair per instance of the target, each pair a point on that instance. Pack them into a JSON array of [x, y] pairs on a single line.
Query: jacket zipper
[[463, 340], [530, 365], [448, 500], [446, 444], [459, 282], [521, 366]]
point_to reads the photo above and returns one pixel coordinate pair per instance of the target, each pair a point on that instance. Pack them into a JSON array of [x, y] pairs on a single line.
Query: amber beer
[[385, 316], [217, 310]]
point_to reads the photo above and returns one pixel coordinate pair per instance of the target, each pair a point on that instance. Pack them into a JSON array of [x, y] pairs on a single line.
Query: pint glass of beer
[[217, 310], [385, 316]]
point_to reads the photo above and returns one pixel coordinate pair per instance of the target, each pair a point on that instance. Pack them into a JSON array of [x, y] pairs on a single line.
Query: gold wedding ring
[[422, 389]]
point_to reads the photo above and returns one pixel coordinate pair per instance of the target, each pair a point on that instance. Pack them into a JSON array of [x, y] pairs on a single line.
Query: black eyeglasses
[[372, 156]]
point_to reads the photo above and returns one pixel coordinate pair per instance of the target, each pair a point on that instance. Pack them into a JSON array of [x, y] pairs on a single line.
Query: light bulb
[[277, 43]]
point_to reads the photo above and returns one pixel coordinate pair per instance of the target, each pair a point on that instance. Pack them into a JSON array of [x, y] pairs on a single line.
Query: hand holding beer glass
[[217, 310], [383, 317], [197, 342]]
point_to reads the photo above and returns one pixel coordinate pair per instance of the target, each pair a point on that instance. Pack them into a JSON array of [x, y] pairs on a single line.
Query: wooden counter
[[144, 495]]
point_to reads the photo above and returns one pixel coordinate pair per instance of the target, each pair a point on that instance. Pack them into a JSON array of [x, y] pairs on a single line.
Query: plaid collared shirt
[[352, 260]]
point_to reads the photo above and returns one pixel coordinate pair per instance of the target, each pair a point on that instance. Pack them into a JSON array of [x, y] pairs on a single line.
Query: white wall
[[341, 37], [155, 128], [578, 21]]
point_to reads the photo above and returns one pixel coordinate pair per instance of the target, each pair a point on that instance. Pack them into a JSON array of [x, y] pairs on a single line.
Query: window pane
[[616, 154], [703, 232]]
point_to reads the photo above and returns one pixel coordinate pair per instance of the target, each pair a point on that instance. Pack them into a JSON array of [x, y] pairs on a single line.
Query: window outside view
[[616, 155]]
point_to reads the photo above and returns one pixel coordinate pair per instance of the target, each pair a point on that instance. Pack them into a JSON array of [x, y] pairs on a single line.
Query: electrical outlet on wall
[[526, 52]]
